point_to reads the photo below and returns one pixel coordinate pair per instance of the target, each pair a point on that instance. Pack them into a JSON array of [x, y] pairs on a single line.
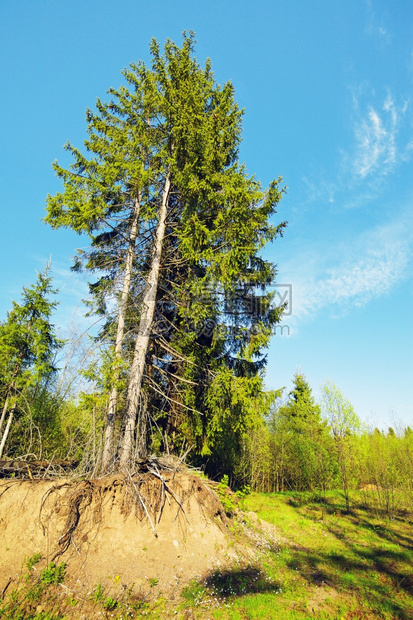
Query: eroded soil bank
[[152, 533]]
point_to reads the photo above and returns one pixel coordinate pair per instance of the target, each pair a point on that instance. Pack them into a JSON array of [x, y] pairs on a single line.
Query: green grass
[[330, 564]]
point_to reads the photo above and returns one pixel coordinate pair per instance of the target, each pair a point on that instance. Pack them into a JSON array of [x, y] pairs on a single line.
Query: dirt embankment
[[145, 530]]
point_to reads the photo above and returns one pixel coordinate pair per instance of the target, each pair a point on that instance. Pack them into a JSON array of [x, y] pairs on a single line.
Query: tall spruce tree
[[28, 345], [176, 228]]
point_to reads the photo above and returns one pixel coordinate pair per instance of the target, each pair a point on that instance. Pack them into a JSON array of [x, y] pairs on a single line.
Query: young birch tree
[[344, 424]]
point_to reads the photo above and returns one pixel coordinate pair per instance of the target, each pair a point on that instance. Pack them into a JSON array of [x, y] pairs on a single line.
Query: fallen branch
[[35, 469]]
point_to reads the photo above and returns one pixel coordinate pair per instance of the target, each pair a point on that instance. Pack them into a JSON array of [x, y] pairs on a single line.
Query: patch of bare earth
[[148, 533]]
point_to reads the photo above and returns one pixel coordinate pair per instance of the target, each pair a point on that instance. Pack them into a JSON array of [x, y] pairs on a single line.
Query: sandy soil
[[143, 531]]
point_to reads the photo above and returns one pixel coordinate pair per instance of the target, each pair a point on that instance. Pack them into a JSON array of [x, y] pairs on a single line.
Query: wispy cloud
[[375, 135], [373, 275], [375, 26], [72, 289], [380, 143], [350, 275]]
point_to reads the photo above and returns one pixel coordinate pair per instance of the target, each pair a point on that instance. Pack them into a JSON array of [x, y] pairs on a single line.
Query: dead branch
[[22, 469]]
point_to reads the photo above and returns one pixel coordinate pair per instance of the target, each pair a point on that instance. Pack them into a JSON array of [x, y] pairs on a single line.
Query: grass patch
[[335, 564], [329, 564]]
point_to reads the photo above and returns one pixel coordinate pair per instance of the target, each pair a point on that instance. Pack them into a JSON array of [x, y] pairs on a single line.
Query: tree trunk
[[113, 398], [3, 413], [6, 430], [10, 391], [142, 340]]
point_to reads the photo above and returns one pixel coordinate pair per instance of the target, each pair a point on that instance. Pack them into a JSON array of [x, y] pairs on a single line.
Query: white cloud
[[350, 275], [375, 135], [381, 141]]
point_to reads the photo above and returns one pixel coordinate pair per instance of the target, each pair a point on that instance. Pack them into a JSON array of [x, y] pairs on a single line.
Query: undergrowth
[[230, 500], [37, 596]]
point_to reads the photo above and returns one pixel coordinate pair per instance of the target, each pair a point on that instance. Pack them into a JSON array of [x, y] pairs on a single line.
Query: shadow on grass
[[388, 533], [379, 585], [381, 576], [237, 582]]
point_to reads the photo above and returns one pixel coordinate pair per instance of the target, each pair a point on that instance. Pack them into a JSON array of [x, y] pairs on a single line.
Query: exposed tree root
[[79, 500], [44, 499], [3, 592], [145, 491]]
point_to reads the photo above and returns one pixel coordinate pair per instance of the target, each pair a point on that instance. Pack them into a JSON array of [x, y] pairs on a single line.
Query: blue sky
[[327, 88]]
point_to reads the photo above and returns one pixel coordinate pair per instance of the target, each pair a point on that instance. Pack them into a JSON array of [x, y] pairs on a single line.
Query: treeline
[[291, 443], [313, 447]]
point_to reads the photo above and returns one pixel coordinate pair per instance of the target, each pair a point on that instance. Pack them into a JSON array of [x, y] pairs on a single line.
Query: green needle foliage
[[28, 345], [300, 428], [176, 227]]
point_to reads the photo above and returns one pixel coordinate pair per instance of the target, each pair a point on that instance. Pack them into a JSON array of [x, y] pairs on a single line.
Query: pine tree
[[176, 228], [28, 344]]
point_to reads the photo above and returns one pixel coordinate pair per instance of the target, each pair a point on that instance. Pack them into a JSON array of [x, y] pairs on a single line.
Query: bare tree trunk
[[5, 407], [113, 398], [142, 340], [10, 391], [6, 430]]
